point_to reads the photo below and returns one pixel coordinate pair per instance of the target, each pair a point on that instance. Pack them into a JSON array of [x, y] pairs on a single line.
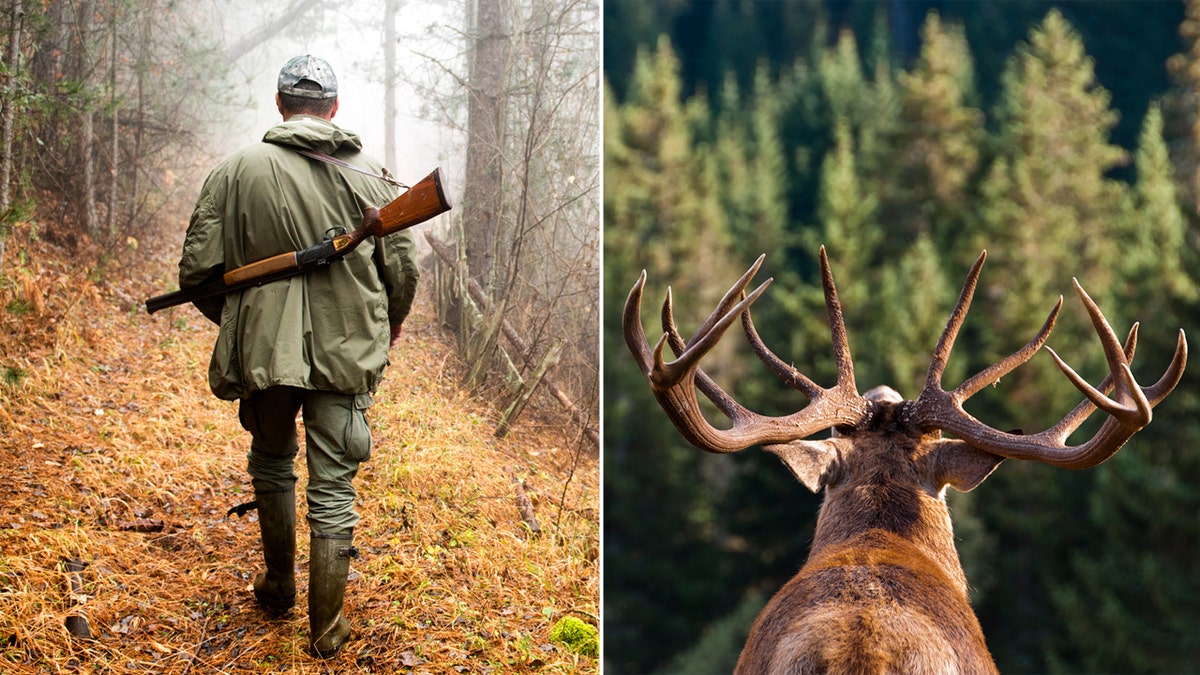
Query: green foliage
[[752, 171], [667, 196], [1124, 607], [71, 90], [1121, 596], [12, 376], [1048, 206], [18, 307], [935, 152], [1153, 242], [577, 636]]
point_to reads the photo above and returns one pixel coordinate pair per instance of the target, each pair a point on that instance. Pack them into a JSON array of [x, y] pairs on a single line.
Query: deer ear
[[811, 462], [959, 465]]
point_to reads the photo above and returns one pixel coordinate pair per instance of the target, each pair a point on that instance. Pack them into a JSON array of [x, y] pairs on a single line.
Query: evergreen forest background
[[906, 137]]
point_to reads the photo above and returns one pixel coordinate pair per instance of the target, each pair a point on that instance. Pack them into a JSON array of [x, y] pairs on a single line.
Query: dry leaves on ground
[[113, 454]]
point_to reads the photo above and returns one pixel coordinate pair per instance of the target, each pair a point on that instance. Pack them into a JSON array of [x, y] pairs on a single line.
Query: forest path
[[113, 452]]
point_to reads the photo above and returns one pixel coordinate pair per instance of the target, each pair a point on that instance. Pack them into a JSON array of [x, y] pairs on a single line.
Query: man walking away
[[316, 344]]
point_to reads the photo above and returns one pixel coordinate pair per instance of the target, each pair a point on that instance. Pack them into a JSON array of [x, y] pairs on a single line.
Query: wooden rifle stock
[[421, 202]]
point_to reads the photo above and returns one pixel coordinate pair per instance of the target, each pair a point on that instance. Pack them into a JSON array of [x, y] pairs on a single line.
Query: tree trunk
[[88, 132], [389, 83], [139, 126], [16, 17], [482, 213], [114, 162], [296, 10]]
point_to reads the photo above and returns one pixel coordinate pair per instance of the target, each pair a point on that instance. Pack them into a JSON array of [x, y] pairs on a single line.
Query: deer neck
[[877, 509]]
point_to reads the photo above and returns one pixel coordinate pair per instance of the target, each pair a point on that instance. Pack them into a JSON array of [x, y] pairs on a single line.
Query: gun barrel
[[206, 290]]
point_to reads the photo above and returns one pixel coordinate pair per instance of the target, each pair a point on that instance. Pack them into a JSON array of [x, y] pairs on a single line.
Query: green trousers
[[337, 439]]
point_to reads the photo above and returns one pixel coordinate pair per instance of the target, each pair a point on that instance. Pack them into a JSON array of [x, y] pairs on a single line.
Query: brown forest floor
[[107, 429]]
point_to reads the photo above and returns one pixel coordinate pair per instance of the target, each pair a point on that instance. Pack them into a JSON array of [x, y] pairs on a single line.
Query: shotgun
[[421, 202]]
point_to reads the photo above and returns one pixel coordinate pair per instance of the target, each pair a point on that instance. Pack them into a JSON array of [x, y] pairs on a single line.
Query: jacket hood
[[312, 133]]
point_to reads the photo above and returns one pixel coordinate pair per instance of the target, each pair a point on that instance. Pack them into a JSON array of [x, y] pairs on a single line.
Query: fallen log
[[525, 505], [480, 297]]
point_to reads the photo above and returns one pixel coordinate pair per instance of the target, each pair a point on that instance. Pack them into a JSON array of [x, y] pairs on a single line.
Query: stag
[[883, 590]]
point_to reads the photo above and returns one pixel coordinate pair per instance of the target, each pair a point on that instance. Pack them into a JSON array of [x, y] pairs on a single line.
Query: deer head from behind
[[883, 589]]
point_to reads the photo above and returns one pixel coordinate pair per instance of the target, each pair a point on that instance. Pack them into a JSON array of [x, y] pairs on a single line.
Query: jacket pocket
[[357, 438]]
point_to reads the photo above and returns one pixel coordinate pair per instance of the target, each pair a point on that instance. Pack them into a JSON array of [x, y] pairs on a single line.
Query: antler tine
[[841, 345], [1085, 408], [713, 325], [1119, 375], [1098, 398], [631, 321], [1134, 404], [993, 373], [837, 328], [1159, 390], [1128, 411], [1113, 351], [674, 384], [704, 339], [674, 338], [731, 297], [734, 295], [941, 354], [790, 376]]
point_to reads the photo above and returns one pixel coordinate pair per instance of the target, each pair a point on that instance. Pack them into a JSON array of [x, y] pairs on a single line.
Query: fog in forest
[[350, 36]]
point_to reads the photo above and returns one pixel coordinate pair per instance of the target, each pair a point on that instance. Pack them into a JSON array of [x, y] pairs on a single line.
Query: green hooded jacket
[[329, 329]]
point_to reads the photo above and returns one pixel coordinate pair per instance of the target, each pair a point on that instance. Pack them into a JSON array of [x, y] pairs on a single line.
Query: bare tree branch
[[287, 17]]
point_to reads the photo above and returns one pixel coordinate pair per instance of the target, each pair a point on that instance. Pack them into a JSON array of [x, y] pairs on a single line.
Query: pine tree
[[870, 105], [1129, 605], [1153, 243], [752, 171], [1049, 213], [935, 152], [847, 227], [1185, 69], [661, 214], [912, 303], [1049, 209]]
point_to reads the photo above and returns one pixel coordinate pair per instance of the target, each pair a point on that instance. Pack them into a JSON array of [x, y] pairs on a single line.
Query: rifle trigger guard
[[334, 232]]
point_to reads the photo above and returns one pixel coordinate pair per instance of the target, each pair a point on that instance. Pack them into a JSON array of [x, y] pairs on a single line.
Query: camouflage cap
[[312, 69]]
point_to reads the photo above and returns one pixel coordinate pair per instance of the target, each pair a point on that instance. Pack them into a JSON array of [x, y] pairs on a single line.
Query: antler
[[674, 384], [1127, 413]]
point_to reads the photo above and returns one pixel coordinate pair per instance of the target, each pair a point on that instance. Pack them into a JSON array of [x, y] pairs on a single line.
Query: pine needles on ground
[[114, 454]]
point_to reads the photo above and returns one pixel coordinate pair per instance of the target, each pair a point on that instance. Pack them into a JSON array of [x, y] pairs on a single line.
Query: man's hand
[[395, 335]]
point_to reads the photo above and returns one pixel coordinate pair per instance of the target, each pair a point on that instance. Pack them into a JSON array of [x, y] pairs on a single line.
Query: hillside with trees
[[906, 138]]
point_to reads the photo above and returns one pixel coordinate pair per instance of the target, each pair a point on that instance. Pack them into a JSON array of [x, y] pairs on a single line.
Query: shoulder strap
[[386, 177]]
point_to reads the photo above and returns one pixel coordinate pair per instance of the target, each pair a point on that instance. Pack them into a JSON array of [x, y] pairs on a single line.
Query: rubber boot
[[275, 589], [329, 566]]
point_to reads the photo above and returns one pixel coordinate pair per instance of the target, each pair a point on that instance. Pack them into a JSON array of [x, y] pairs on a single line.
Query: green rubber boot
[[275, 589], [329, 566]]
